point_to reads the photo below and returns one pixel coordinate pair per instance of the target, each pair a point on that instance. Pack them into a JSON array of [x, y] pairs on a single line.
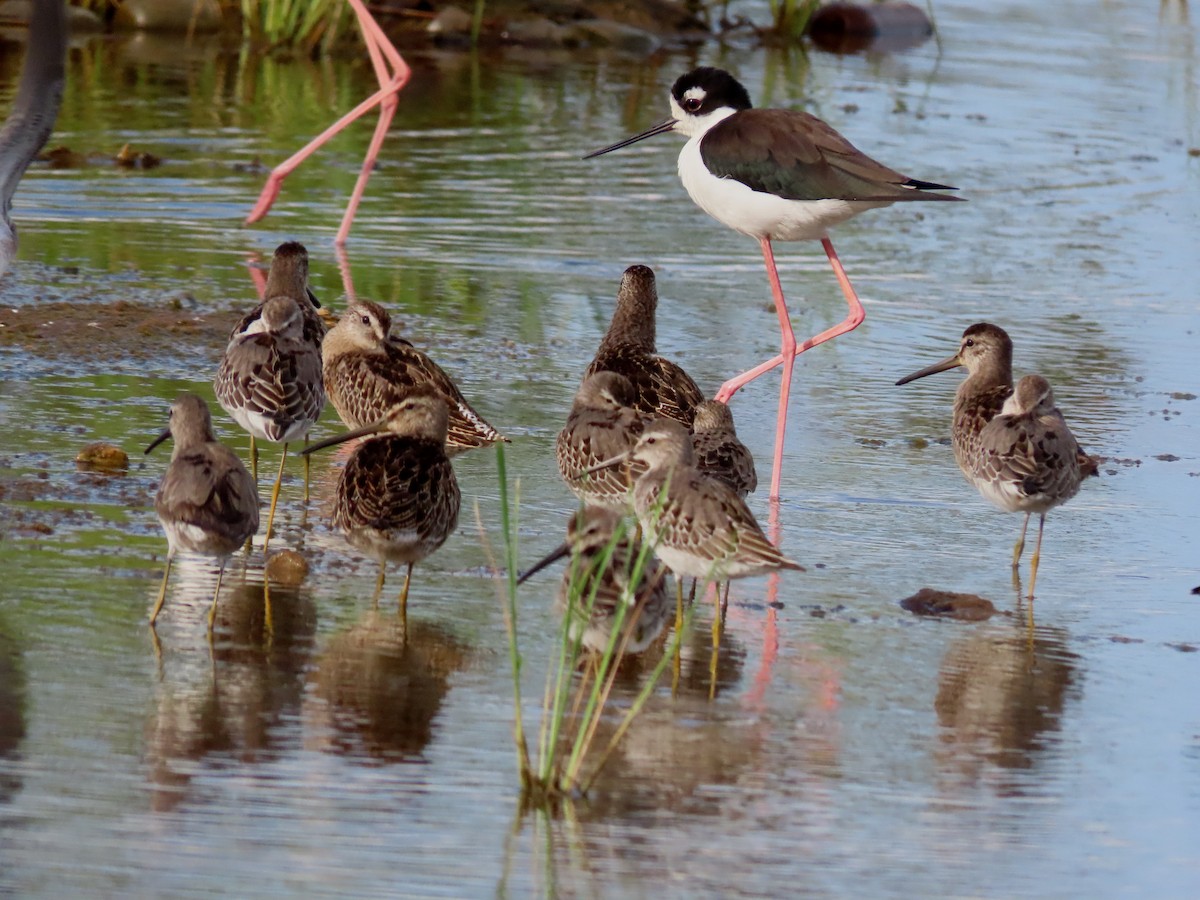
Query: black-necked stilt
[[775, 174]]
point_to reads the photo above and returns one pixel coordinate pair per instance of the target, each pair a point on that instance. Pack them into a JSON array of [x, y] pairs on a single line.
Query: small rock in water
[[967, 607], [450, 22], [287, 568], [102, 457]]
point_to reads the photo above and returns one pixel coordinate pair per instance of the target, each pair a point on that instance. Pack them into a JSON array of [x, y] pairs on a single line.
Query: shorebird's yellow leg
[[274, 500], [1037, 556], [379, 585], [162, 591], [1019, 546], [717, 619], [254, 472], [307, 469], [404, 593], [212, 610]]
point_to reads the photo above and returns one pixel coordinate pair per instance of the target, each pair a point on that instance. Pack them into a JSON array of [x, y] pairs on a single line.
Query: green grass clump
[[567, 762]]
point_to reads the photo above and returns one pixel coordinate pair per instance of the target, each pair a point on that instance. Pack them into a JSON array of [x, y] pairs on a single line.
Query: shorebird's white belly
[[194, 539], [265, 428], [1010, 497], [758, 214], [393, 545]]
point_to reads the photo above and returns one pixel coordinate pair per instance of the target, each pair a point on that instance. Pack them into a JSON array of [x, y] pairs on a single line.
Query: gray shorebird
[[1013, 446], [609, 576], [207, 502], [719, 453], [602, 424], [397, 499], [700, 528], [269, 381], [775, 175], [31, 118], [661, 388], [368, 371]]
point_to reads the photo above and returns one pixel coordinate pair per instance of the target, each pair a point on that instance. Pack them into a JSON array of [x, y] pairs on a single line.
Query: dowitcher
[[602, 424], [270, 382], [600, 581], [661, 388], [207, 502], [397, 498], [719, 453], [31, 118], [1013, 446], [775, 175], [368, 371], [700, 528]]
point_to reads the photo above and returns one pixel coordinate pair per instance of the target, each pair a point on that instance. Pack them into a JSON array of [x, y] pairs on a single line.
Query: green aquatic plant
[[302, 24], [790, 18], [567, 761]]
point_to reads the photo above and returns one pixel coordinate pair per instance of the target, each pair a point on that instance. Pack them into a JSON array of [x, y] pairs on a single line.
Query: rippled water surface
[[851, 749]]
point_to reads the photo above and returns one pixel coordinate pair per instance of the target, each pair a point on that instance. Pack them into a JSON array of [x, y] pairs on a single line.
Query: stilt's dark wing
[[797, 156]]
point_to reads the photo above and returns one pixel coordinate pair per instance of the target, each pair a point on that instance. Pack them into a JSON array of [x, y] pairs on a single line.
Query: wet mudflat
[[843, 745]]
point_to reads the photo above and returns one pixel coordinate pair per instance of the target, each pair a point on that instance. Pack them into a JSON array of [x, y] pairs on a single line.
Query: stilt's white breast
[[759, 214]]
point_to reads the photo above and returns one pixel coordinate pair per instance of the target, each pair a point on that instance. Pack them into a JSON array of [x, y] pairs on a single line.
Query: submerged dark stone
[[948, 604]]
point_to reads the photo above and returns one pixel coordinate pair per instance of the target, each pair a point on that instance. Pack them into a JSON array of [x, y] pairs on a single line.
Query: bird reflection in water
[[379, 687], [1001, 695], [230, 702], [12, 713]]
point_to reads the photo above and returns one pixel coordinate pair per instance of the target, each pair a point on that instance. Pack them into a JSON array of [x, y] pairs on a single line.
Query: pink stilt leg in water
[[393, 73], [789, 349]]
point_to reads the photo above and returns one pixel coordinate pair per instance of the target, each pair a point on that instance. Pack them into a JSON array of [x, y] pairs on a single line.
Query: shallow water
[[850, 747]]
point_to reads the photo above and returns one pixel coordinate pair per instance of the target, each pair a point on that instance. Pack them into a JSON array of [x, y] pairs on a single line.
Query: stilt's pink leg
[[790, 349], [393, 73], [343, 261], [857, 313], [786, 357]]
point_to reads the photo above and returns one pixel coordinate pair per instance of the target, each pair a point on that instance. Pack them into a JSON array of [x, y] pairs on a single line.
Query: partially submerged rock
[[100, 456], [949, 604], [287, 568]]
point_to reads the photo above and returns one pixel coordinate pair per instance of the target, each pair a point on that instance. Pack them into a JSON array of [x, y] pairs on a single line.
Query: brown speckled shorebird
[[647, 604], [270, 382], [397, 498], [699, 526], [661, 388], [1013, 446], [719, 453], [368, 371], [207, 502], [602, 424]]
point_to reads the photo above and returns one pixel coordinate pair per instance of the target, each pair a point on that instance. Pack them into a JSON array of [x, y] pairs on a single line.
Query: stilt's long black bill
[[158, 440], [651, 132], [373, 428], [556, 554], [312, 298], [951, 363]]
